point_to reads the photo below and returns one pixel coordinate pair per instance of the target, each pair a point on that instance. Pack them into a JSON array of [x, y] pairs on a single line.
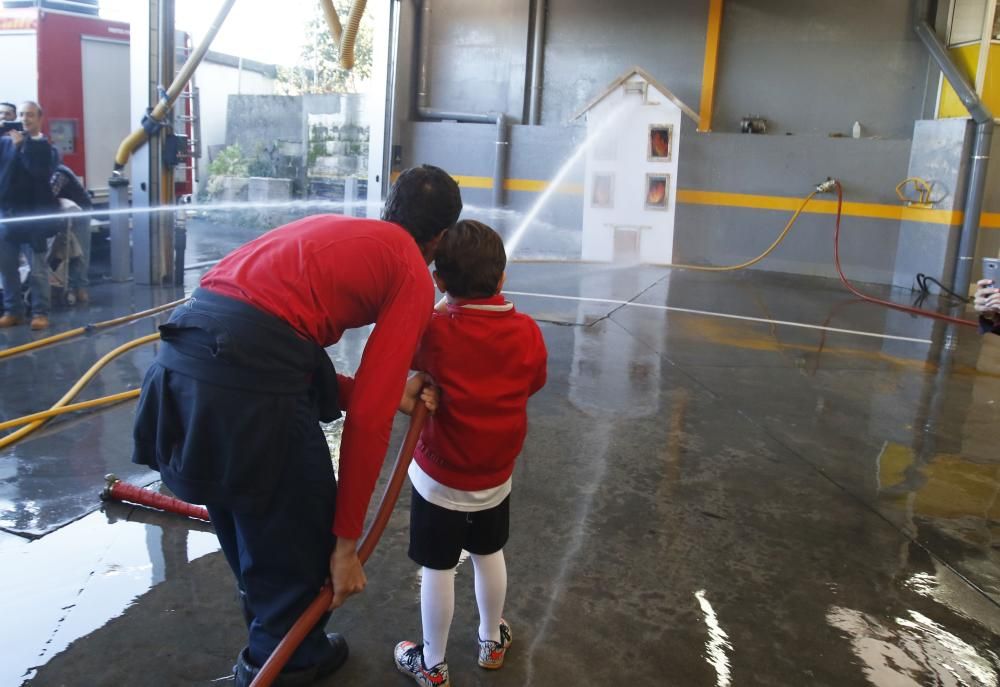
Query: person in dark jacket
[[27, 162], [74, 197]]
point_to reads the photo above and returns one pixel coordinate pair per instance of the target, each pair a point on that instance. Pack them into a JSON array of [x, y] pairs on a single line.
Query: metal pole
[[121, 251], [500, 160], [537, 63], [163, 260], [423, 94], [145, 169], [979, 158]]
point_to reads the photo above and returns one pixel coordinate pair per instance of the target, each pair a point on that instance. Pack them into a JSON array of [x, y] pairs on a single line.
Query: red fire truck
[[76, 66]]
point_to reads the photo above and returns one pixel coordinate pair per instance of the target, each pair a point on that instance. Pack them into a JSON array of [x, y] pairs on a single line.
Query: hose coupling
[[109, 481], [827, 186]]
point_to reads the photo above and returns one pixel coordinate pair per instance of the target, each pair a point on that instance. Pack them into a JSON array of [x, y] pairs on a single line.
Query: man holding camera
[[27, 163]]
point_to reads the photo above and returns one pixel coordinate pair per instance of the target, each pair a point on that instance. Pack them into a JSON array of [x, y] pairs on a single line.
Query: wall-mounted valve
[[827, 186]]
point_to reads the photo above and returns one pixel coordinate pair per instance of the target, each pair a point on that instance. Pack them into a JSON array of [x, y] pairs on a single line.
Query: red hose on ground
[[119, 491], [321, 604], [872, 299]]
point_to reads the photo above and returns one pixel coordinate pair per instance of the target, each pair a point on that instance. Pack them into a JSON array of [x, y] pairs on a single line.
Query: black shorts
[[438, 535]]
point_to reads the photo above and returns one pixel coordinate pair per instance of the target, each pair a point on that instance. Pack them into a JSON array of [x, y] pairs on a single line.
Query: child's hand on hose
[[419, 387]]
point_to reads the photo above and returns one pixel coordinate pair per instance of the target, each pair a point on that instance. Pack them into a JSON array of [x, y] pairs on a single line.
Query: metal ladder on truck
[[187, 137]]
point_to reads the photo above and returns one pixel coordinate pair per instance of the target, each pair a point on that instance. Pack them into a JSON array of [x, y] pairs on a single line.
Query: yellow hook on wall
[[921, 187]]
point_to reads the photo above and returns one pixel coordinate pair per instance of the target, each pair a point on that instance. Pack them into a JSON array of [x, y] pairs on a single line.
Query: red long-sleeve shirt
[[323, 275], [488, 359]]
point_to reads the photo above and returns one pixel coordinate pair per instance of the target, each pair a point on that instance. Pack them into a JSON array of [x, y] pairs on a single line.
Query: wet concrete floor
[[701, 501]]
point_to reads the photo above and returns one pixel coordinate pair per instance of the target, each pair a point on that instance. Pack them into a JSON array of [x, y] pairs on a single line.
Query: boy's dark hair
[[425, 201], [471, 260]]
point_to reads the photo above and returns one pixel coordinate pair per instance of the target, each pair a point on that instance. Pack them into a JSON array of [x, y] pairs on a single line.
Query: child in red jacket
[[487, 360]]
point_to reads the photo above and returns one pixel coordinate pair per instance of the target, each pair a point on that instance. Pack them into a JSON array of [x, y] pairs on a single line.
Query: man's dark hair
[[471, 260], [11, 106], [425, 201]]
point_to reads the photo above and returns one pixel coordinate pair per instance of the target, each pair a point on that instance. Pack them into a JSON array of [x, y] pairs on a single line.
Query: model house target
[[630, 183]]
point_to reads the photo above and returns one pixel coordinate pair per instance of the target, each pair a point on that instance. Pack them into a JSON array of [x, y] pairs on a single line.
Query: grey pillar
[[121, 249]]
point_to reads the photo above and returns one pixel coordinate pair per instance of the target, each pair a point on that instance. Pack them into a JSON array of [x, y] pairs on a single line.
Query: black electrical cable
[[922, 284]]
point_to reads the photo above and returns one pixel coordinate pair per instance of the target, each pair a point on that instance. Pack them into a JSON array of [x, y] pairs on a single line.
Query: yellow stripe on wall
[[990, 220], [819, 207]]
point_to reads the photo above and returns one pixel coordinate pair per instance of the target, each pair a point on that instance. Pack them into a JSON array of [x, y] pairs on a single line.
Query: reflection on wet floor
[[701, 501], [717, 645], [909, 650]]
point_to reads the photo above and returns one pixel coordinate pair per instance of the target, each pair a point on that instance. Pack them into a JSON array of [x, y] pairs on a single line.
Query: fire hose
[[86, 329], [116, 490], [871, 299], [76, 388], [321, 604], [155, 119]]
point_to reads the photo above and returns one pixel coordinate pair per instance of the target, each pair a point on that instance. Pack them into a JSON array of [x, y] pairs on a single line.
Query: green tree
[[319, 69]]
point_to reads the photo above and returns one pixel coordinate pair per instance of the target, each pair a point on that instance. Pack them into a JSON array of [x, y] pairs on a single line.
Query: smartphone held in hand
[[991, 270]]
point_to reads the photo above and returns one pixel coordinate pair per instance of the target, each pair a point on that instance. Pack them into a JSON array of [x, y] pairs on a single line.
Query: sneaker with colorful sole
[[410, 660], [491, 653]]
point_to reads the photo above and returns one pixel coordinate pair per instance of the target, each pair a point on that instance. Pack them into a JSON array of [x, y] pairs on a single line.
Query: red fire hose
[[321, 604], [116, 490]]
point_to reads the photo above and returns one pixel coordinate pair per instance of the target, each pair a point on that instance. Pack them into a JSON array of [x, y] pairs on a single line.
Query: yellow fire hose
[[56, 338], [754, 261], [76, 388], [71, 408]]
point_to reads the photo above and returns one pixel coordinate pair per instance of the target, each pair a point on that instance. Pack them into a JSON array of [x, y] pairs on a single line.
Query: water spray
[[512, 242]]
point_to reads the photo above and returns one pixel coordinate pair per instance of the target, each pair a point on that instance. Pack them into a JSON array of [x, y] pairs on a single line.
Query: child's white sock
[[437, 606], [491, 591]]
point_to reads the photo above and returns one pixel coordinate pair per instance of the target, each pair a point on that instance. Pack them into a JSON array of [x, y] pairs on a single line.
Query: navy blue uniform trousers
[[281, 556], [229, 414]]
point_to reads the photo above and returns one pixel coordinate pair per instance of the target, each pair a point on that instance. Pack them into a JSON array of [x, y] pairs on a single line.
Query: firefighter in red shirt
[[487, 359], [230, 409]]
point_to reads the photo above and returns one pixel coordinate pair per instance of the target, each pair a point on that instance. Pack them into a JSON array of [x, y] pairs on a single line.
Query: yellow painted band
[[820, 207], [990, 220], [527, 185]]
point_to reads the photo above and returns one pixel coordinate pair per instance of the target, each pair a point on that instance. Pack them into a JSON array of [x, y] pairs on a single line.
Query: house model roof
[[648, 78]]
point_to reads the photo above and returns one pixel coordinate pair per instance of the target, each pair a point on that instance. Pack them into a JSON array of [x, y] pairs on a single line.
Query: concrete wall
[[812, 68], [254, 120], [789, 166], [275, 128], [808, 66], [216, 82]]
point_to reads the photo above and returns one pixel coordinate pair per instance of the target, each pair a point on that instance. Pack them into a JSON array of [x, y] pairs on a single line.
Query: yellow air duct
[[351, 34], [155, 119], [344, 38], [333, 21]]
